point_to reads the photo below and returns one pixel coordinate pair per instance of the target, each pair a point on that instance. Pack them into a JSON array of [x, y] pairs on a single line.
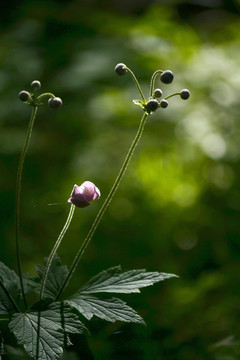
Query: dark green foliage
[[45, 331], [56, 276]]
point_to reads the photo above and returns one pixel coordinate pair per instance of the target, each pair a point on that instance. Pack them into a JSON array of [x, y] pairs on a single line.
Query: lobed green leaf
[[52, 327], [112, 280], [108, 309], [11, 282], [56, 276]]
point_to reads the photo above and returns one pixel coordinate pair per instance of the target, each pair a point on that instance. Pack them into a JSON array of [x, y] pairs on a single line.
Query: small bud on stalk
[[24, 95], [151, 106], [36, 84], [185, 94], [55, 102], [83, 195], [164, 103], [167, 77], [120, 69], [157, 93]]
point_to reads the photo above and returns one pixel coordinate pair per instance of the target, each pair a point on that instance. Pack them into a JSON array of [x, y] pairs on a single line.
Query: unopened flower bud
[[120, 69], [36, 84], [157, 93], [83, 195], [151, 105], [55, 102], [167, 77], [164, 103], [185, 93], [24, 95]]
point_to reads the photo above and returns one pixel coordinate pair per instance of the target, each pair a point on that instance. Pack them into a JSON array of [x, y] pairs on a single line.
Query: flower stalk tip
[[84, 194]]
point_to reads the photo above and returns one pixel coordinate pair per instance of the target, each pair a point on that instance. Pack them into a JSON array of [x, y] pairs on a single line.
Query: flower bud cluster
[[152, 104], [32, 99]]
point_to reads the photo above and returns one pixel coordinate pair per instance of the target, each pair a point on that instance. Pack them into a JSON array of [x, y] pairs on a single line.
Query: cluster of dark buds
[[32, 99], [153, 102]]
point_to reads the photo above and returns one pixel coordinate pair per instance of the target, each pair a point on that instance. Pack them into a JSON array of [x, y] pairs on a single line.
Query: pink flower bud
[[83, 195]]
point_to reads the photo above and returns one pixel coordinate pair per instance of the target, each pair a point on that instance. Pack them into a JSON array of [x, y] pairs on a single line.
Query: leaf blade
[[12, 284], [108, 309], [56, 276], [51, 338], [112, 280]]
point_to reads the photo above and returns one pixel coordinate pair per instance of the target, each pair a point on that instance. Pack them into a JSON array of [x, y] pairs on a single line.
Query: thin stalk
[[169, 96], [105, 204], [152, 83], [9, 296], [44, 95], [136, 82], [54, 249], [18, 196]]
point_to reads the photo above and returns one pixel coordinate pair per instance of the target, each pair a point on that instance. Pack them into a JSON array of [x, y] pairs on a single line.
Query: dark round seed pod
[[167, 77], [120, 69], [55, 102], [185, 94], [152, 105], [36, 84], [157, 93], [24, 95], [164, 103]]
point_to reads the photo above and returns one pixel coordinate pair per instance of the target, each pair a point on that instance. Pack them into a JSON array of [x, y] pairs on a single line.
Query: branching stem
[[136, 82], [152, 83]]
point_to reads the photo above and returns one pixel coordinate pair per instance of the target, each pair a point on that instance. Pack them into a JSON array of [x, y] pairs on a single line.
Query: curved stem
[[105, 204], [136, 82], [18, 196], [169, 96], [44, 95], [9, 296], [54, 249], [152, 83]]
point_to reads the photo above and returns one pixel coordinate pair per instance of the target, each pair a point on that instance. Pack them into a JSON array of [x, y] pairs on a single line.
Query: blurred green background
[[178, 207]]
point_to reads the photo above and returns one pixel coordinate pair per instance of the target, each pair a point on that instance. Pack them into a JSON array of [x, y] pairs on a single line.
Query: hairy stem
[[6, 292], [54, 249], [18, 196], [105, 204]]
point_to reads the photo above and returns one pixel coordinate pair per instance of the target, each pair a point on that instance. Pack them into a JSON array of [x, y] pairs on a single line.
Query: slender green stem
[[9, 296], [105, 204], [136, 82], [152, 83], [44, 95], [54, 249], [18, 196], [169, 96]]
